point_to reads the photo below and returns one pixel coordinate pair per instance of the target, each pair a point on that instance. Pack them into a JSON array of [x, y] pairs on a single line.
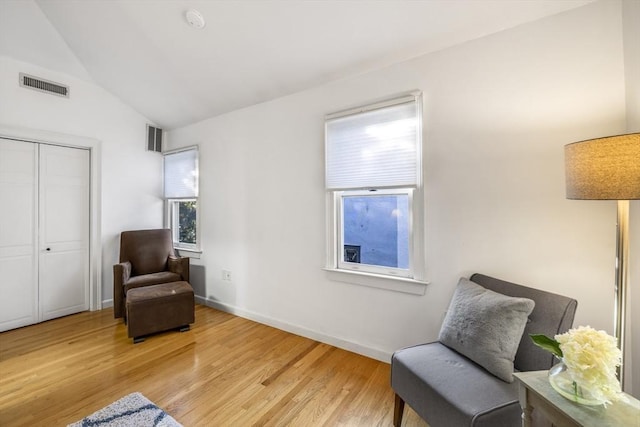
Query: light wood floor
[[226, 371]]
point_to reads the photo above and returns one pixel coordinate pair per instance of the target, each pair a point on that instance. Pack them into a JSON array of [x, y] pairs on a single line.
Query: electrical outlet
[[226, 275]]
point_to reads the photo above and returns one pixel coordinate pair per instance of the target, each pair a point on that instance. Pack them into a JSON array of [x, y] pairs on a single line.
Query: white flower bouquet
[[591, 358]]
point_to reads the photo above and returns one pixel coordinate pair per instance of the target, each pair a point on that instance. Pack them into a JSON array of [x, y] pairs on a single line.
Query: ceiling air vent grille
[[43, 85]]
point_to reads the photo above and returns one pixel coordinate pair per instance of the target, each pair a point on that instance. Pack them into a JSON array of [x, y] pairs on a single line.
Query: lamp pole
[[622, 253]]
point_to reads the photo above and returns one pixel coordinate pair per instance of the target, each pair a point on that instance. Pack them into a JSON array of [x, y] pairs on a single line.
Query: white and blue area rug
[[133, 410]]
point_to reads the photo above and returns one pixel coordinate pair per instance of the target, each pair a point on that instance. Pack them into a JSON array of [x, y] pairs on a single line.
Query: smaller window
[[183, 220], [181, 197]]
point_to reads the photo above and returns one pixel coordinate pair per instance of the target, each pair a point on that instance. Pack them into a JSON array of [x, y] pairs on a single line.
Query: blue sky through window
[[379, 226]]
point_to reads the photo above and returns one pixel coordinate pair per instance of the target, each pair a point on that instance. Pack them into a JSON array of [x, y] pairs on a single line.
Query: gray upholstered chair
[[147, 258], [448, 389]]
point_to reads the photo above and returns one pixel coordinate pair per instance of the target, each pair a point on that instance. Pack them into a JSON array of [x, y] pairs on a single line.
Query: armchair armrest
[[179, 265], [121, 274]]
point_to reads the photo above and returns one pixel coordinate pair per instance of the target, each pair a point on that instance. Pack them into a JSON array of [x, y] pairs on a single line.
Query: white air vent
[[154, 139], [42, 85]]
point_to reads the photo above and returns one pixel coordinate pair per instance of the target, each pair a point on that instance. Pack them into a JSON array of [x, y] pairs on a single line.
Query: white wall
[[498, 112], [131, 178]]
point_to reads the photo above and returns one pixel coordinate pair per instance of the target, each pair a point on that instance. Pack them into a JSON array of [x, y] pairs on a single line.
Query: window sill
[[396, 284], [189, 253]]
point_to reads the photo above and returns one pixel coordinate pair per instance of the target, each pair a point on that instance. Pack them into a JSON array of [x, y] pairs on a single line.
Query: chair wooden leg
[[398, 410]]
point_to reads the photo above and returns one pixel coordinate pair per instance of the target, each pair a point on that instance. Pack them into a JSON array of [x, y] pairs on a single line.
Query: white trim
[[405, 98], [391, 283], [189, 253], [178, 150], [94, 145], [374, 353]]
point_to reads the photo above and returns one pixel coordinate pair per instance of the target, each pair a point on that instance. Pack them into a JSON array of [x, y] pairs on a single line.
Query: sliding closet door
[[18, 221], [64, 231]]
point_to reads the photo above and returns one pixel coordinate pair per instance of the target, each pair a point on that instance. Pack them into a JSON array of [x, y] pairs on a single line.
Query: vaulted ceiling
[[145, 52]]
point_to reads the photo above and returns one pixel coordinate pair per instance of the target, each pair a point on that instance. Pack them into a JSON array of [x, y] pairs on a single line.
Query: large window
[[181, 197], [374, 187]]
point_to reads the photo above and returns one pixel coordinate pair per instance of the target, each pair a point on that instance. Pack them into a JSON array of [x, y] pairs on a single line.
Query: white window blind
[[378, 148], [181, 174]]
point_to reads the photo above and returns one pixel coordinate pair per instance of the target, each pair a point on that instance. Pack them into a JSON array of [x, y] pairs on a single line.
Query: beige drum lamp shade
[[604, 168]]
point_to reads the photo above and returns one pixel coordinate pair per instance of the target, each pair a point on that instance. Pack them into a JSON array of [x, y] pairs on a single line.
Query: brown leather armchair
[[147, 258]]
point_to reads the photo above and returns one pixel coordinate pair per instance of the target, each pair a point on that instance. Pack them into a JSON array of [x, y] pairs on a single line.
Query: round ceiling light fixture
[[195, 19]]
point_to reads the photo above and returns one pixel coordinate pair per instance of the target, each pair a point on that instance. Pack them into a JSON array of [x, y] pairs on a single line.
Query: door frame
[[94, 147]]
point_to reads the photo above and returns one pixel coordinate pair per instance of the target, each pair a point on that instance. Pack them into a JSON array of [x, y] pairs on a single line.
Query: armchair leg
[[398, 410]]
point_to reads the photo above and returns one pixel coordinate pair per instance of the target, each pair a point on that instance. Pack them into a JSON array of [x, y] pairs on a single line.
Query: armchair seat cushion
[[151, 279], [452, 389]]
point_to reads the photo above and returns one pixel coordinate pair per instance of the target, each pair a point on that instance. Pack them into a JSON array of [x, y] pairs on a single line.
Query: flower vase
[[562, 382]]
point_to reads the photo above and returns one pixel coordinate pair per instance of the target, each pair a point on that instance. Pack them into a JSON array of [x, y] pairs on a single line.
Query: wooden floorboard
[[225, 371]]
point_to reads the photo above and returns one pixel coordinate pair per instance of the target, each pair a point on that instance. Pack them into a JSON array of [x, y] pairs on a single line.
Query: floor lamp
[[608, 169]]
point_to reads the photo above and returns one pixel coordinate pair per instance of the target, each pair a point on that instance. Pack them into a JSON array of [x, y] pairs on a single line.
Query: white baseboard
[[373, 353]]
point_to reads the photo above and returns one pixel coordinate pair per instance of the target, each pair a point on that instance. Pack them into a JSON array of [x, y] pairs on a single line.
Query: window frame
[[173, 220], [412, 281], [171, 206], [371, 268]]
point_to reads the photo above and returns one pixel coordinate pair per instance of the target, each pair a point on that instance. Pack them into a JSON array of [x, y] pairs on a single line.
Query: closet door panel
[[64, 231], [62, 291], [18, 199]]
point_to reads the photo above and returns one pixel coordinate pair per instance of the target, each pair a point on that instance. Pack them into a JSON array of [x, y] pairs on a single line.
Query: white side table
[[536, 393]]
